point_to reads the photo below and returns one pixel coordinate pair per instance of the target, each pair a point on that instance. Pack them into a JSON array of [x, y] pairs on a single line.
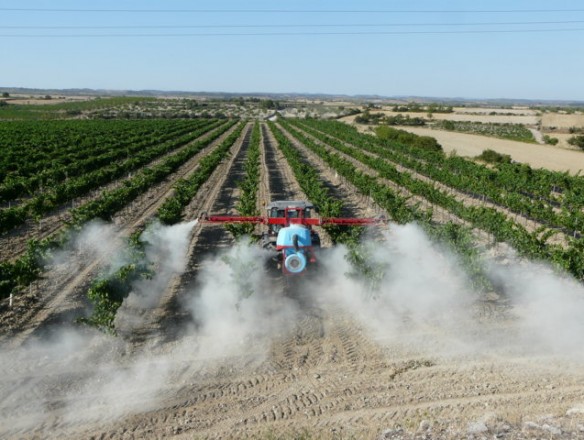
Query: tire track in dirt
[[219, 193]]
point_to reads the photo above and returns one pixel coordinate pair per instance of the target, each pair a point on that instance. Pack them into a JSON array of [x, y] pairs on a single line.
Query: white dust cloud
[[549, 307], [237, 308], [424, 304], [166, 249]]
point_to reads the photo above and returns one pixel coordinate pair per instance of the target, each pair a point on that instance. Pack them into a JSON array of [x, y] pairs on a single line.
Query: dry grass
[[561, 121], [538, 156]]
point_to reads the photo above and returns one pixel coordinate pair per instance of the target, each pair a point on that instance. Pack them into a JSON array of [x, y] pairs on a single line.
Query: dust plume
[[547, 306], [75, 374], [166, 250], [236, 307], [95, 240], [426, 301]]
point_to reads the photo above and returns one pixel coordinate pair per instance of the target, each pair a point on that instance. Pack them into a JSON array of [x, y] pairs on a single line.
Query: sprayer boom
[[287, 221], [289, 234]]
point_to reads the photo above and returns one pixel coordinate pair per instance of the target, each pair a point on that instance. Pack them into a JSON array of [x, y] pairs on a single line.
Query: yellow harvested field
[[39, 100], [537, 156], [526, 119], [493, 119], [561, 121], [523, 111]]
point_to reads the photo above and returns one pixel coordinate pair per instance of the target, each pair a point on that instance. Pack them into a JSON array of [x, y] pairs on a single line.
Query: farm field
[[537, 156], [468, 131], [132, 318]]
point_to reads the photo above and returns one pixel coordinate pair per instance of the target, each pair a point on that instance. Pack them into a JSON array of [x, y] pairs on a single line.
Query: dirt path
[[148, 325]]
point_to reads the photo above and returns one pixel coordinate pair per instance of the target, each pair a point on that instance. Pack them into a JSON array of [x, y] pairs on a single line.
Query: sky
[[491, 49]]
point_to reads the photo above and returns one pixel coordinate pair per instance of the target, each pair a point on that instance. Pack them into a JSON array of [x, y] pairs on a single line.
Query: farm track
[[282, 183], [13, 244], [323, 371], [59, 294], [219, 194]]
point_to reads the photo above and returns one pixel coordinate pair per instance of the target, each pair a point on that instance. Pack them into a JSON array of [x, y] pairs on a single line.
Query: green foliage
[[514, 132], [550, 140], [380, 118], [577, 141], [63, 110], [414, 107], [23, 270], [365, 268], [533, 193], [58, 161], [268, 104], [107, 294], [406, 138], [171, 210], [492, 156], [112, 201]]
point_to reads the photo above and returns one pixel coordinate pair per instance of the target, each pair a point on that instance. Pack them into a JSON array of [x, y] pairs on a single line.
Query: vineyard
[[123, 315]]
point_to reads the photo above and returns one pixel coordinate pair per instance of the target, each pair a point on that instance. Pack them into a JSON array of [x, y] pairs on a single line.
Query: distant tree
[[3, 103], [6, 95], [448, 125], [268, 104]]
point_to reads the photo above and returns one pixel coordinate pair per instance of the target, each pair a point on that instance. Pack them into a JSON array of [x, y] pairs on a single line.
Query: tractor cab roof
[[283, 204]]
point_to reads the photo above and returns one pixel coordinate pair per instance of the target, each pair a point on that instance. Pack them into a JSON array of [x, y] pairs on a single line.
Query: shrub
[[406, 138], [492, 156], [577, 141]]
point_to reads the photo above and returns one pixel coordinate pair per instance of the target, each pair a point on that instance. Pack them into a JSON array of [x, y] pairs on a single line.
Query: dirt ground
[[562, 121], [425, 358], [471, 117]]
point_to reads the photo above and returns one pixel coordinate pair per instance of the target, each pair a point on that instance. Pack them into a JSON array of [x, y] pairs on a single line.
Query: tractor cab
[[293, 235], [288, 209]]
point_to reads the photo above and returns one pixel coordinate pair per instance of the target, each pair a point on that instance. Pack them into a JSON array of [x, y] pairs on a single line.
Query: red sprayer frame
[[286, 221]]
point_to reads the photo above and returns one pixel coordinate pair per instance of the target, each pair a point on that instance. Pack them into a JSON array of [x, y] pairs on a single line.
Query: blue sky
[[410, 47]]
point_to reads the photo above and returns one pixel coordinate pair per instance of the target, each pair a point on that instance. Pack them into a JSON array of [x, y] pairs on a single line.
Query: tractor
[[290, 235]]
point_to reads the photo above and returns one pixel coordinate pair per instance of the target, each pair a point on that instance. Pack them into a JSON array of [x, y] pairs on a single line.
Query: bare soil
[[466, 117], [324, 372], [561, 122]]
